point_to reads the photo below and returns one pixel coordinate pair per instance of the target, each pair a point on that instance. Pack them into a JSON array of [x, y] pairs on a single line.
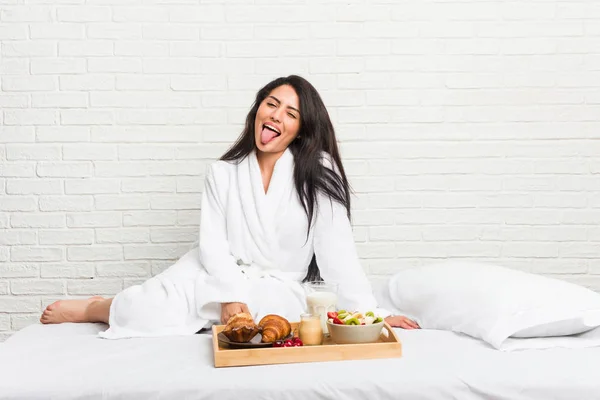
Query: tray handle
[[386, 331], [390, 335]]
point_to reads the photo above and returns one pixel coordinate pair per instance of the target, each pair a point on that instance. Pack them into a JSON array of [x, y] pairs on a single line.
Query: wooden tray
[[388, 346]]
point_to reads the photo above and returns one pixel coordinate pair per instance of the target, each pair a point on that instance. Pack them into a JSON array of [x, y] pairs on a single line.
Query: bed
[[69, 361]]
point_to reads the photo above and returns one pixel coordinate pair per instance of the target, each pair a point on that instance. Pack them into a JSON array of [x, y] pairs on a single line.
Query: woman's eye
[[271, 104], [292, 115]]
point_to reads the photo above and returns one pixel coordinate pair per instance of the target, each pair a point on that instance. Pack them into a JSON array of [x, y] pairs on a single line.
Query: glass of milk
[[321, 298]]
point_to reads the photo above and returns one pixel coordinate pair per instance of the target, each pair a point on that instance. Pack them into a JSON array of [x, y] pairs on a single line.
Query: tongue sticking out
[[267, 135]]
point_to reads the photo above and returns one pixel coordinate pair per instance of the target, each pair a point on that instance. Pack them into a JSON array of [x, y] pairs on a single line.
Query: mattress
[[69, 361]]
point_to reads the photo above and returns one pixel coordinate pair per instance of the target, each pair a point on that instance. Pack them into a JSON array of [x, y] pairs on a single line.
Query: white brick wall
[[469, 129]]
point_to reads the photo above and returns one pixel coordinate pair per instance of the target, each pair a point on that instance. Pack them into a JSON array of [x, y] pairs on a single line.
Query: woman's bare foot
[[67, 311]]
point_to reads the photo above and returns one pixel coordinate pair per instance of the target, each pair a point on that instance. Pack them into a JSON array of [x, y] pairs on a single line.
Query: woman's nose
[[276, 114]]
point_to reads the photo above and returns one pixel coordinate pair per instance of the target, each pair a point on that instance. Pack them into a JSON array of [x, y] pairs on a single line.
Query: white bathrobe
[[253, 249]]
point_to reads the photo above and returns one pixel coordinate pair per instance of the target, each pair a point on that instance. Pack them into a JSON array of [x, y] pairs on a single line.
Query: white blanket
[[69, 362], [253, 248]]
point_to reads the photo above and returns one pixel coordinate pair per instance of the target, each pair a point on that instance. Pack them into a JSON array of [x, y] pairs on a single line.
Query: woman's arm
[[337, 258], [338, 262], [215, 253]]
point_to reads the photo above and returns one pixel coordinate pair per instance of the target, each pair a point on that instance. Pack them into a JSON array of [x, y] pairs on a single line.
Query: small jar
[[310, 330]]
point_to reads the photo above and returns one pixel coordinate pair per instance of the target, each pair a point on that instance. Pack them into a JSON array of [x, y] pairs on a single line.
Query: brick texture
[[469, 131]]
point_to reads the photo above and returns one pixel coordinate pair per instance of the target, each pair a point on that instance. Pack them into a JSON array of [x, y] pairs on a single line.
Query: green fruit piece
[[378, 320], [343, 315], [342, 312], [352, 321], [370, 314]]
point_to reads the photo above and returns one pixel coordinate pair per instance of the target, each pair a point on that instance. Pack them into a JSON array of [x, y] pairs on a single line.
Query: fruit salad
[[343, 317]]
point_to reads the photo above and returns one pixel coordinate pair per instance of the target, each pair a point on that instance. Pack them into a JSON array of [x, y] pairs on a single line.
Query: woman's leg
[[94, 309], [157, 305]]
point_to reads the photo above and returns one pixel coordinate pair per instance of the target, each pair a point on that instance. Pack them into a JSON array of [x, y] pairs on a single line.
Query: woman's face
[[277, 120]]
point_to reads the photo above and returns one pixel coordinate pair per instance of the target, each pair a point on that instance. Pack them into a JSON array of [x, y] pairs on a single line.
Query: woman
[[275, 212]]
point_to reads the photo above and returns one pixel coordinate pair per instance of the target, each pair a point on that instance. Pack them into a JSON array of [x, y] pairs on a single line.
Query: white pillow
[[494, 303]]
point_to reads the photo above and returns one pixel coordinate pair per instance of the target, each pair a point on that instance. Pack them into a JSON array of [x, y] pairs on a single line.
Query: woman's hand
[[228, 310], [400, 321]]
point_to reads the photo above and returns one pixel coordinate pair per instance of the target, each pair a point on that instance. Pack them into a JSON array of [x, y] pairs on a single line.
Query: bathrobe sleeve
[[215, 255], [338, 261]]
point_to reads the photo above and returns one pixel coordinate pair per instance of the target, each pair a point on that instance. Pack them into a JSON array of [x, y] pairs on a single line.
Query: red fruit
[[298, 343], [288, 343], [338, 321], [362, 323], [278, 343], [332, 314]]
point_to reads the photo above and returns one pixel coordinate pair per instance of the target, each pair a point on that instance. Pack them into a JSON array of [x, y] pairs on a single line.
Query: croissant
[[241, 328], [274, 327]]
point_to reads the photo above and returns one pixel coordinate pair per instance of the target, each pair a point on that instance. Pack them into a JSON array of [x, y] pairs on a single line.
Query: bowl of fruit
[[353, 327]]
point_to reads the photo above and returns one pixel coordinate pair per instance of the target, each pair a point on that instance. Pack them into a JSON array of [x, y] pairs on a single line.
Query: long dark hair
[[316, 135]]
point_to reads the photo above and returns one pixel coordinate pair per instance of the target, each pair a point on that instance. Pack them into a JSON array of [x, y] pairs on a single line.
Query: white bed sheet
[[70, 362]]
